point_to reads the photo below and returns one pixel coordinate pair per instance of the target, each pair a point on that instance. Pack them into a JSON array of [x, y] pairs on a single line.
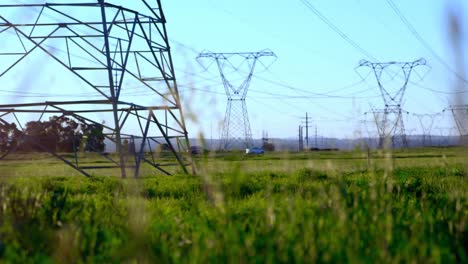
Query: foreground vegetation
[[314, 207]]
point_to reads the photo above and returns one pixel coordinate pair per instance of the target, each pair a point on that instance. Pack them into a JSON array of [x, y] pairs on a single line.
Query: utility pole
[[301, 139], [307, 118], [265, 139], [316, 145], [211, 136]]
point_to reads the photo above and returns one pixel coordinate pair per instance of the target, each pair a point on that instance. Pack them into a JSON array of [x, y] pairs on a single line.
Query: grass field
[[281, 207]]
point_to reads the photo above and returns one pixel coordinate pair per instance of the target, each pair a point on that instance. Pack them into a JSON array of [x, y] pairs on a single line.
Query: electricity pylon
[[107, 50], [369, 134], [236, 127], [391, 132], [446, 133], [390, 121], [460, 116], [426, 121]]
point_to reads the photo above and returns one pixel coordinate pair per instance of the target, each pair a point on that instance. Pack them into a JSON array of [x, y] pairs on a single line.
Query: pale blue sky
[[312, 60]]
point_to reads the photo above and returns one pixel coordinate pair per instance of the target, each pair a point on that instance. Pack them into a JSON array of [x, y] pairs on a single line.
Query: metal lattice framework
[[115, 53], [426, 121], [390, 126], [389, 121], [445, 134], [460, 116], [369, 134], [236, 127]]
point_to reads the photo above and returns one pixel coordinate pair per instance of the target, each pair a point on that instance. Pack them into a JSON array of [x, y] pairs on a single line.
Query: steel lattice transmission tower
[[426, 121], [115, 54], [390, 119], [460, 116], [236, 126], [391, 132]]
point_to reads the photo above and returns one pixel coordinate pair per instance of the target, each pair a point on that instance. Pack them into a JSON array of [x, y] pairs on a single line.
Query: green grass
[[281, 207]]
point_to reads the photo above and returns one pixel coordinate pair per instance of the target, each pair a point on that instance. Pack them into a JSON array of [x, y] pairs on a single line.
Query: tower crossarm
[[378, 68], [426, 121], [225, 63]]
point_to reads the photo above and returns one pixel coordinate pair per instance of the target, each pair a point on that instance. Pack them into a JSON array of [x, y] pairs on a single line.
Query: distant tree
[[9, 136], [68, 136], [125, 146], [268, 147], [128, 146], [67, 133], [94, 137], [163, 147], [58, 134], [38, 132]]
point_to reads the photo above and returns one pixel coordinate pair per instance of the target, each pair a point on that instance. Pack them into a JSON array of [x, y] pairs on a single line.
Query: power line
[[200, 90], [421, 40], [336, 29], [274, 107], [439, 91], [315, 95], [359, 48]]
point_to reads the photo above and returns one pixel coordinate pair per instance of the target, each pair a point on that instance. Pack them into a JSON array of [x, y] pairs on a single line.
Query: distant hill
[[292, 144]]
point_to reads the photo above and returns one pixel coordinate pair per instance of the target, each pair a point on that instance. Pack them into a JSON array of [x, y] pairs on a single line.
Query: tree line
[[58, 134]]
